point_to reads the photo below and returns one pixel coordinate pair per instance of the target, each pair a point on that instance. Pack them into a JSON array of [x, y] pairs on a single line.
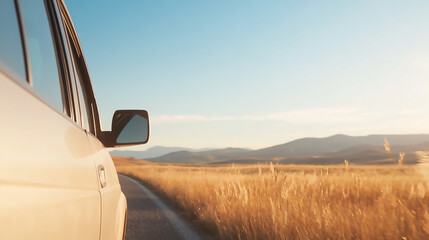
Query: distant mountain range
[[330, 150], [154, 152], [200, 157]]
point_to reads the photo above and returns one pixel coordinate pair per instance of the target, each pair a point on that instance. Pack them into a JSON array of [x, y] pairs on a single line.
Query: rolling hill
[[336, 144], [154, 152], [329, 150], [198, 157]]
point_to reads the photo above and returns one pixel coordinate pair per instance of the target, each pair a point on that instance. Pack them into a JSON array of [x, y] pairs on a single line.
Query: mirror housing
[[129, 127]]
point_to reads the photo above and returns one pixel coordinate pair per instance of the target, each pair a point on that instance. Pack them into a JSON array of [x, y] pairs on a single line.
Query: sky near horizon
[[258, 73]]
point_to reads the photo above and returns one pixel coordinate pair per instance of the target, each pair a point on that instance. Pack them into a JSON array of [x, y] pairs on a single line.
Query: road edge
[[181, 226]]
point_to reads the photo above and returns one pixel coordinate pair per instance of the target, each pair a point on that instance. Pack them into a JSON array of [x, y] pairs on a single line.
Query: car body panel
[[48, 183], [113, 204]]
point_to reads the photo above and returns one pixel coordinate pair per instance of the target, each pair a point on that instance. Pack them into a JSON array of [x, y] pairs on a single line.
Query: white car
[[57, 180]]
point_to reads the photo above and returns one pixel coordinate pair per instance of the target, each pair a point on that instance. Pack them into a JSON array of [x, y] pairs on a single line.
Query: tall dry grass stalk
[[296, 202], [388, 150], [386, 146], [401, 158], [346, 162]]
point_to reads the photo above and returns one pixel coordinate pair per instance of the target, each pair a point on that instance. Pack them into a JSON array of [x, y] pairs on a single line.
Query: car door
[[113, 201], [49, 186]]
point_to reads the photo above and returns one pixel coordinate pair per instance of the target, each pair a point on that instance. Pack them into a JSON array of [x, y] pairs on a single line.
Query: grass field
[[295, 202]]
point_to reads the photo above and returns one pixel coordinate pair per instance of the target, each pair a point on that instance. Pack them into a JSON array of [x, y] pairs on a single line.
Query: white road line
[[181, 227]]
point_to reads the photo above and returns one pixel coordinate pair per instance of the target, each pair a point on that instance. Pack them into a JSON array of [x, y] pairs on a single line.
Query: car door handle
[[102, 176]]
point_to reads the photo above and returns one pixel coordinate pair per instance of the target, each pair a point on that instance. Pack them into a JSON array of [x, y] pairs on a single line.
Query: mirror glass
[[135, 130]]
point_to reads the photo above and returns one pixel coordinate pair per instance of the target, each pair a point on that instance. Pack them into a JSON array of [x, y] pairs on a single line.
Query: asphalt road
[[149, 217]]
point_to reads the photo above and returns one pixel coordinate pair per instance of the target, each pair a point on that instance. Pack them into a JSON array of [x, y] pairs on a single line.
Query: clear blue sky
[[257, 73]]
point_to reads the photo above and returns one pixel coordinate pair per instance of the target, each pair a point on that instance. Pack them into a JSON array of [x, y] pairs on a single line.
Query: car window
[[11, 52], [82, 98], [43, 60]]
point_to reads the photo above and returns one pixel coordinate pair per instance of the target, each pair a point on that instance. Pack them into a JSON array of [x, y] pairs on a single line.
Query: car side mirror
[[129, 127]]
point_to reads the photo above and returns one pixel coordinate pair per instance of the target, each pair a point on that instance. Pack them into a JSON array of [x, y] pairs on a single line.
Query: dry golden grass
[[296, 202]]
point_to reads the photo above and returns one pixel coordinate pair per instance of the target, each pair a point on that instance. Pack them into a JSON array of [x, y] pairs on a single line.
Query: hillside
[[329, 150], [337, 143], [154, 152], [198, 157]]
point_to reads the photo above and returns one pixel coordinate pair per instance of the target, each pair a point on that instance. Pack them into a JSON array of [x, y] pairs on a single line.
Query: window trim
[[74, 109], [81, 63], [61, 59], [76, 92], [23, 36]]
